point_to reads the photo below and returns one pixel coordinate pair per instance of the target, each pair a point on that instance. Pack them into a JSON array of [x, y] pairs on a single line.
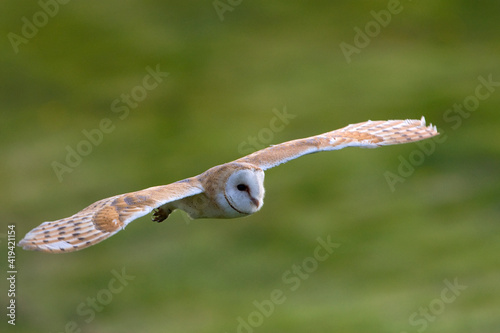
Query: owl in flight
[[230, 190]]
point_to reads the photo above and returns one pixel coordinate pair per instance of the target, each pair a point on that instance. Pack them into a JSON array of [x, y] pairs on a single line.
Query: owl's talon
[[160, 215]]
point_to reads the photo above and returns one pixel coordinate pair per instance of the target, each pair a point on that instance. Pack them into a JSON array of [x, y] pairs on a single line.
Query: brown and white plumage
[[104, 218], [230, 190]]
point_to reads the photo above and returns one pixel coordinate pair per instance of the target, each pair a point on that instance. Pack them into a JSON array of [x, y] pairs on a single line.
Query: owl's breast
[[202, 206]]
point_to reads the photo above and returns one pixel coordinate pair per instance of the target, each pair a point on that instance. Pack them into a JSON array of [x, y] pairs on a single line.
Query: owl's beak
[[255, 202]]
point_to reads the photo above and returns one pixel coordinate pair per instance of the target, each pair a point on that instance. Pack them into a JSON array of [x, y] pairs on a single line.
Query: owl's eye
[[241, 187]]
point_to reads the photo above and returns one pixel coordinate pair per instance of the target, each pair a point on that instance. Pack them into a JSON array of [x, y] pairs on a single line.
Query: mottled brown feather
[[368, 134], [104, 218]]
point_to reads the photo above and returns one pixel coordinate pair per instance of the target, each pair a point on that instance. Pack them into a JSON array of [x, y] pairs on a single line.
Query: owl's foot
[[160, 214]]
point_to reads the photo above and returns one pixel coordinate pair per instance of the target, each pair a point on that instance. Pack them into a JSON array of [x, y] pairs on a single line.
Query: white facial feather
[[244, 192], [229, 190]]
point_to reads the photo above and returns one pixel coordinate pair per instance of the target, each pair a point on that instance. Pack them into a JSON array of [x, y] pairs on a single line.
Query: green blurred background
[[227, 73]]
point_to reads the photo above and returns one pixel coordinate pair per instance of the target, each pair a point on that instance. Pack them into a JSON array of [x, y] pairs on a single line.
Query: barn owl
[[230, 190]]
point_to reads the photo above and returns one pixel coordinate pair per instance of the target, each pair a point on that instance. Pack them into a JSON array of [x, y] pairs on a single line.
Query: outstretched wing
[[104, 218], [369, 134]]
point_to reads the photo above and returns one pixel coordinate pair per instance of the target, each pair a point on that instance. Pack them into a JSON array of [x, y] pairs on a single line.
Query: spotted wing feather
[[369, 134], [104, 218]]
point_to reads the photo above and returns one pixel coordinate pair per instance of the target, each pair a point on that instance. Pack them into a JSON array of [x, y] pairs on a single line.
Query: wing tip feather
[[422, 123], [430, 127]]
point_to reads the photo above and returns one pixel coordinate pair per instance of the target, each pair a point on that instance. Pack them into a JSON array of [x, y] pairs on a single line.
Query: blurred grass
[[225, 80]]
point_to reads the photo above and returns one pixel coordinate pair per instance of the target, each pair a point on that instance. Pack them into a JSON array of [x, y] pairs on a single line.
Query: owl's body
[[230, 190], [213, 202]]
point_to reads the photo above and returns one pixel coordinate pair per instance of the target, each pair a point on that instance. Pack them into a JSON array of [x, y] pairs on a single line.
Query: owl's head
[[244, 191]]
